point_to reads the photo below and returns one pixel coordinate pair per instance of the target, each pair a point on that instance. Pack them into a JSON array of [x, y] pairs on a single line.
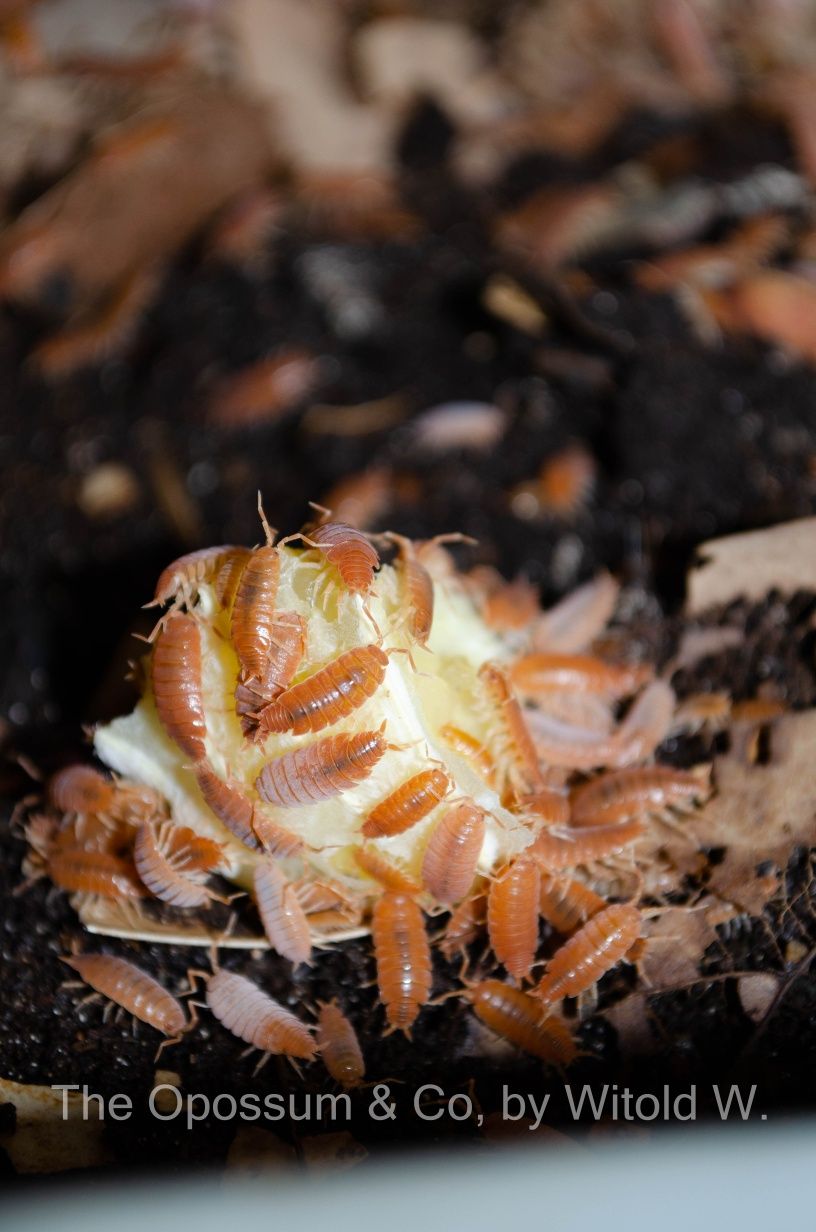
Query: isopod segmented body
[[349, 551], [253, 614], [547, 805], [182, 578], [403, 957], [452, 853], [418, 590], [319, 771], [94, 872], [132, 989], [471, 749], [538, 674], [229, 803], [173, 863], [590, 953], [385, 871], [339, 1047], [177, 688], [512, 916], [465, 924], [286, 651], [635, 792], [555, 850], [246, 1011], [407, 805], [516, 1017], [81, 789], [567, 904], [328, 695], [523, 771], [283, 918]]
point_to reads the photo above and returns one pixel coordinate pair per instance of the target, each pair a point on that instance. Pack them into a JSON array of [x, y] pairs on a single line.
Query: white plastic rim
[[750, 1179]]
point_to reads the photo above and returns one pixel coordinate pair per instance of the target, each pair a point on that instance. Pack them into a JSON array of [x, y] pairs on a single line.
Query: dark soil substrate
[[690, 442]]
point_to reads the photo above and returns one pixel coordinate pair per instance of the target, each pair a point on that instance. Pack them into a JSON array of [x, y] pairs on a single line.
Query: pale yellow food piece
[[422, 690]]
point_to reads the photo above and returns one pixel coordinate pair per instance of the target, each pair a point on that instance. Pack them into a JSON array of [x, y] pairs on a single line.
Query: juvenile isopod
[[182, 578], [403, 957], [253, 613], [81, 789], [512, 916], [283, 918], [471, 749], [246, 1011], [635, 792], [567, 904], [339, 1047], [535, 675], [524, 773], [547, 804], [349, 551], [84, 871], [229, 803], [172, 868], [517, 1017], [328, 695], [321, 770], [265, 390], [177, 689], [452, 853], [566, 848], [418, 590], [132, 989], [387, 872], [590, 953], [407, 804], [580, 617], [465, 924]]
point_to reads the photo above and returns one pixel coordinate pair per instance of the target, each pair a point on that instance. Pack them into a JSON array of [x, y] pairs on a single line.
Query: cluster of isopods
[[553, 758]]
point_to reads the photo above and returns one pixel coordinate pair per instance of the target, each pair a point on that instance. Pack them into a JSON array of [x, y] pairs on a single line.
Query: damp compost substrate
[[691, 442]]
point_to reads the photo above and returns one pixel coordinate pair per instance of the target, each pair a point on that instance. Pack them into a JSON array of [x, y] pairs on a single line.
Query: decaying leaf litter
[[579, 547]]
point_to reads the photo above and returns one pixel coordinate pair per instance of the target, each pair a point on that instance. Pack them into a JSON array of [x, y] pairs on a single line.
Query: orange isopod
[[516, 1017], [170, 868], [524, 772], [182, 578], [234, 809], [471, 749], [252, 625], [621, 794], [241, 1007], [452, 853], [132, 989], [228, 574], [319, 771], [283, 918], [94, 872], [512, 916], [567, 904], [81, 789], [387, 872], [547, 805], [465, 925], [418, 590], [349, 551], [590, 953], [539, 674], [339, 1046], [176, 674], [407, 805], [567, 848], [328, 695], [403, 957]]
